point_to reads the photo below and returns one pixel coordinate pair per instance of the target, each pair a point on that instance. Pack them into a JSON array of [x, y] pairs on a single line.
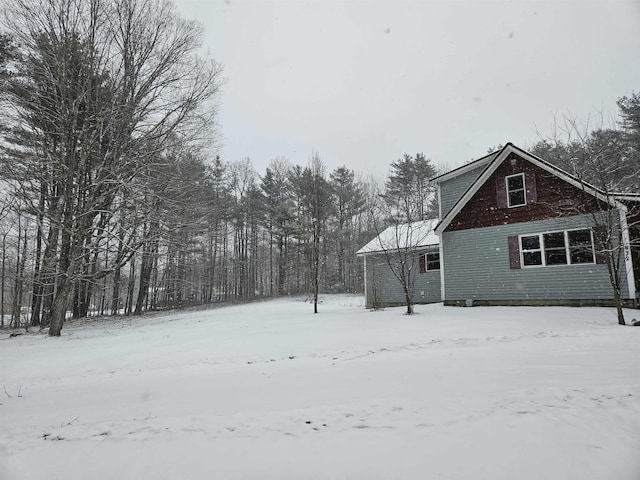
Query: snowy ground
[[271, 391]]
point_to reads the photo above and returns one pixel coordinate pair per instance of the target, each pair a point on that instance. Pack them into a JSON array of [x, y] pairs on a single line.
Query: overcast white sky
[[363, 82]]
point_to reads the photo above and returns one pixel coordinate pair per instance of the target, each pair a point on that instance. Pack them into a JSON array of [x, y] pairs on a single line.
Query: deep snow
[[271, 391]]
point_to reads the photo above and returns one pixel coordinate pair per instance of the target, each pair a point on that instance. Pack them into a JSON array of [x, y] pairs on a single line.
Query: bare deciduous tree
[[102, 86], [605, 172]]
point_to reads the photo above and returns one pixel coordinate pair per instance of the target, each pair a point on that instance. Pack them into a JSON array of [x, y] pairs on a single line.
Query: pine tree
[[278, 220], [408, 192]]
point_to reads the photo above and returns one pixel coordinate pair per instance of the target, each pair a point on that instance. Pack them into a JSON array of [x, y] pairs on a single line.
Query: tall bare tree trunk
[[146, 267], [60, 304], [3, 277]]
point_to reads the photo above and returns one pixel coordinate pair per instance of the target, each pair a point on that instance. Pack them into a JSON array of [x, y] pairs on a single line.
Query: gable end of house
[[563, 191], [520, 191]]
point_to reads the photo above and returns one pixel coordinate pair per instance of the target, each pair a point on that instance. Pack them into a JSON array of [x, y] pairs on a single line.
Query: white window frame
[[426, 262], [524, 190], [567, 248], [539, 249]]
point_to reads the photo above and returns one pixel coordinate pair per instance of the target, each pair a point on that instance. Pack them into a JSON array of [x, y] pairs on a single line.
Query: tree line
[[112, 204]]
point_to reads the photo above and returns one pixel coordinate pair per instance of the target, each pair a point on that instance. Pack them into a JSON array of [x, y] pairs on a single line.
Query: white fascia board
[[421, 248], [627, 197], [626, 253], [475, 186]]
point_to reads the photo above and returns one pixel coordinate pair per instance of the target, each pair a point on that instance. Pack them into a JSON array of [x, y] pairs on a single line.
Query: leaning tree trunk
[[60, 304], [64, 287]]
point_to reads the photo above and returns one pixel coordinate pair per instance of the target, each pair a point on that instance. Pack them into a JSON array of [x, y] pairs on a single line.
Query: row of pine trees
[[112, 202]]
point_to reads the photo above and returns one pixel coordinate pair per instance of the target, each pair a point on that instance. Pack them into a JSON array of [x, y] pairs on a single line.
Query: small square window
[[433, 261]]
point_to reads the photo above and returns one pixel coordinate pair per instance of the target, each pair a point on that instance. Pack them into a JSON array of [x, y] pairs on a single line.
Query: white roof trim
[[497, 160], [629, 197], [416, 235]]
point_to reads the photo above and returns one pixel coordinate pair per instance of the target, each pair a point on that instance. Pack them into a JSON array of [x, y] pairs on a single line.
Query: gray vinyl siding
[[476, 264], [451, 190], [382, 282]]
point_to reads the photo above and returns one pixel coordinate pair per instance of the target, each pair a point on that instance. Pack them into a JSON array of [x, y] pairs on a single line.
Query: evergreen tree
[[349, 201], [278, 219], [408, 192]]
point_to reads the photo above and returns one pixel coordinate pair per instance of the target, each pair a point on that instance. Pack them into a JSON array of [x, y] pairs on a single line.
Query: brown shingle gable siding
[[553, 198]]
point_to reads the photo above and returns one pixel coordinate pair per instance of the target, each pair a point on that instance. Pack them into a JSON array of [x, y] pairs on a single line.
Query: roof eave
[[377, 252]]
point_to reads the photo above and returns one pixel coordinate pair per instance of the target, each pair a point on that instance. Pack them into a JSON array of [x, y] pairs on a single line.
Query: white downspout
[[441, 250], [626, 251], [366, 298]]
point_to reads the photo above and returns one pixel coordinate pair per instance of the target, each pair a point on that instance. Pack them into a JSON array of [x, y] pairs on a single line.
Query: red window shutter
[[423, 263], [501, 192], [530, 187], [514, 252]]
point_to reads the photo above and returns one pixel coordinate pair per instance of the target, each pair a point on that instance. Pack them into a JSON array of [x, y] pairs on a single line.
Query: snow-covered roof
[[407, 235]]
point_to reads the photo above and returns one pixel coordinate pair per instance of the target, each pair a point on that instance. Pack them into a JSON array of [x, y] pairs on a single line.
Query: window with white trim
[[429, 261], [433, 261], [568, 247], [531, 249], [516, 194]]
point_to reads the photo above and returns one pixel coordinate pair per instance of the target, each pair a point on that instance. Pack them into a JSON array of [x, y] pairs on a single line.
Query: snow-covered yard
[[271, 391]]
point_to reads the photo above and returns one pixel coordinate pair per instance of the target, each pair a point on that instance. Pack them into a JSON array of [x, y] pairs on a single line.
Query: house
[[516, 230], [406, 253], [513, 230]]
